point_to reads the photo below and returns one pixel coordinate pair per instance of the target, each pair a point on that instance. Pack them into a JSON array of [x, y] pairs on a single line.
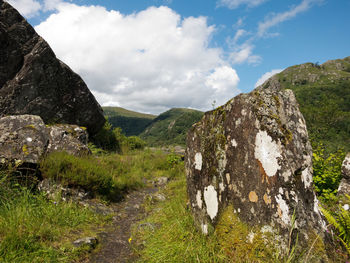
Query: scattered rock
[[161, 181], [34, 81], [253, 154], [54, 189], [69, 138], [146, 225], [24, 139], [159, 197], [344, 187], [89, 241]]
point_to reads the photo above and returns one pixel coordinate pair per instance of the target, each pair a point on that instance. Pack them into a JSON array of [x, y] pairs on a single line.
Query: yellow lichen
[[253, 197], [25, 149]]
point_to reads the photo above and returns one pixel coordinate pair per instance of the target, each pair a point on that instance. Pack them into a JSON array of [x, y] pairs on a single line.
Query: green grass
[[34, 229], [107, 176], [177, 239]]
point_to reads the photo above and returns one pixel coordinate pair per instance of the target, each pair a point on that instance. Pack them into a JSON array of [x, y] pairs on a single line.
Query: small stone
[[159, 197], [90, 241]]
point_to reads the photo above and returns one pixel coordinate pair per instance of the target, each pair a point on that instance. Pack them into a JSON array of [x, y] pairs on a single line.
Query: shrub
[[106, 139], [327, 173]]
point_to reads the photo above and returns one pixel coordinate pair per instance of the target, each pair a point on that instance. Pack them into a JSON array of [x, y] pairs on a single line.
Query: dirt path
[[114, 240]]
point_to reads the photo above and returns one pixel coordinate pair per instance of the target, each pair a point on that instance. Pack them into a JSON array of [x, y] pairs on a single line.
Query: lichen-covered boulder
[[34, 81], [253, 154], [24, 139], [69, 138], [344, 187]]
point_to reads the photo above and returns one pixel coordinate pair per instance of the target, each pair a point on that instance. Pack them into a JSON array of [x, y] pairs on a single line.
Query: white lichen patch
[[238, 121], [211, 201], [204, 228], [228, 178], [233, 143], [250, 237], [283, 209], [29, 139], [221, 187], [198, 161], [199, 199], [346, 162], [243, 112], [306, 177], [286, 175], [267, 152], [316, 205]]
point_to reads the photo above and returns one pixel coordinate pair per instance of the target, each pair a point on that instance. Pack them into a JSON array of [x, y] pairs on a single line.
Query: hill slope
[[323, 92], [131, 122], [171, 127]]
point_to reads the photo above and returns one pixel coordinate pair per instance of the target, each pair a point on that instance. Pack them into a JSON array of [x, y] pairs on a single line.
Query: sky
[[153, 55]]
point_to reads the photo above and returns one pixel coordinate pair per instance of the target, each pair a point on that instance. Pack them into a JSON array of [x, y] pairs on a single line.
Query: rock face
[[344, 187], [253, 154], [34, 81], [25, 139]]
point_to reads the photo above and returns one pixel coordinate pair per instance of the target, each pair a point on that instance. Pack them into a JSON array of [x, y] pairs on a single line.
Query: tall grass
[[108, 176], [33, 229]]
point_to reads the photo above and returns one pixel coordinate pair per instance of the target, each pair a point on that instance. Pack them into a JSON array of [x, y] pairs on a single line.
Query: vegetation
[[327, 173], [170, 127], [323, 93], [131, 122], [35, 229]]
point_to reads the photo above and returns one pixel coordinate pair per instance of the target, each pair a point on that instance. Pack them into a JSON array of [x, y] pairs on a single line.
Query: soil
[[114, 240]]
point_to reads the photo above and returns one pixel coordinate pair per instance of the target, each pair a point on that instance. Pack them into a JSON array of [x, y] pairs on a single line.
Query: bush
[[106, 139], [327, 173]]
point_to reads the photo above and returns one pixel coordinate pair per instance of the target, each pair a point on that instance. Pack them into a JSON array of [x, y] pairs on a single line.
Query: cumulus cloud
[[266, 76], [244, 53], [147, 61], [275, 19], [27, 8], [233, 4]]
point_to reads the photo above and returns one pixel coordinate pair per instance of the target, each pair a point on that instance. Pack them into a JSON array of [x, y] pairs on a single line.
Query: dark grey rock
[[23, 139], [33, 81], [344, 187], [26, 139], [253, 154]]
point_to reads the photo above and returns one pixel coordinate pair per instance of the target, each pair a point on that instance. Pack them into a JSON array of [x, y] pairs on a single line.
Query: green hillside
[[171, 127], [131, 122], [323, 92]]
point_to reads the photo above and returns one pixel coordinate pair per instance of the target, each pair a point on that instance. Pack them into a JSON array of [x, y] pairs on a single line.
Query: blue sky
[[152, 55]]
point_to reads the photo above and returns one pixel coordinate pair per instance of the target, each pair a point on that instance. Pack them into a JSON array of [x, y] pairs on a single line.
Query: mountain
[[131, 122], [323, 93], [171, 127]]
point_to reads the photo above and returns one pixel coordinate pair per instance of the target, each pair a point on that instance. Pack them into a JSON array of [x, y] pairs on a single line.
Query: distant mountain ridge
[[323, 93], [131, 122], [168, 128]]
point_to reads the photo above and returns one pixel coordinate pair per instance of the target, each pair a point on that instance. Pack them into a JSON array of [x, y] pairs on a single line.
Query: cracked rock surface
[[34, 81], [253, 154]]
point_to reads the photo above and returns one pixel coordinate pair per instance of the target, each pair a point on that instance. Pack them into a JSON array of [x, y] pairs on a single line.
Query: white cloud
[[27, 8], [233, 4], [147, 61], [244, 53], [278, 18], [266, 76]]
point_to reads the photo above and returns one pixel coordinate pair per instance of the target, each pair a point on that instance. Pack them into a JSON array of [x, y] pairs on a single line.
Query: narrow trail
[[114, 241]]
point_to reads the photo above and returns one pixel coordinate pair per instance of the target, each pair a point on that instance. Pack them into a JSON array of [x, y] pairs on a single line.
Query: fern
[[340, 220]]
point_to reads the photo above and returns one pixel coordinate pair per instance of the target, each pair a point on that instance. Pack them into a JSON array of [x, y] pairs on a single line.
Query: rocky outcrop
[[253, 156], [24, 139], [34, 81], [344, 187]]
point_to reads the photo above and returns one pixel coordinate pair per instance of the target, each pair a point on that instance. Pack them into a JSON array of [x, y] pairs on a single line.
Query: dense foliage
[[327, 173], [323, 93]]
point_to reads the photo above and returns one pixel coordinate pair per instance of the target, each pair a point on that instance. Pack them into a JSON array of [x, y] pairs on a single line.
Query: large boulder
[[344, 187], [253, 156], [34, 81], [24, 139]]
